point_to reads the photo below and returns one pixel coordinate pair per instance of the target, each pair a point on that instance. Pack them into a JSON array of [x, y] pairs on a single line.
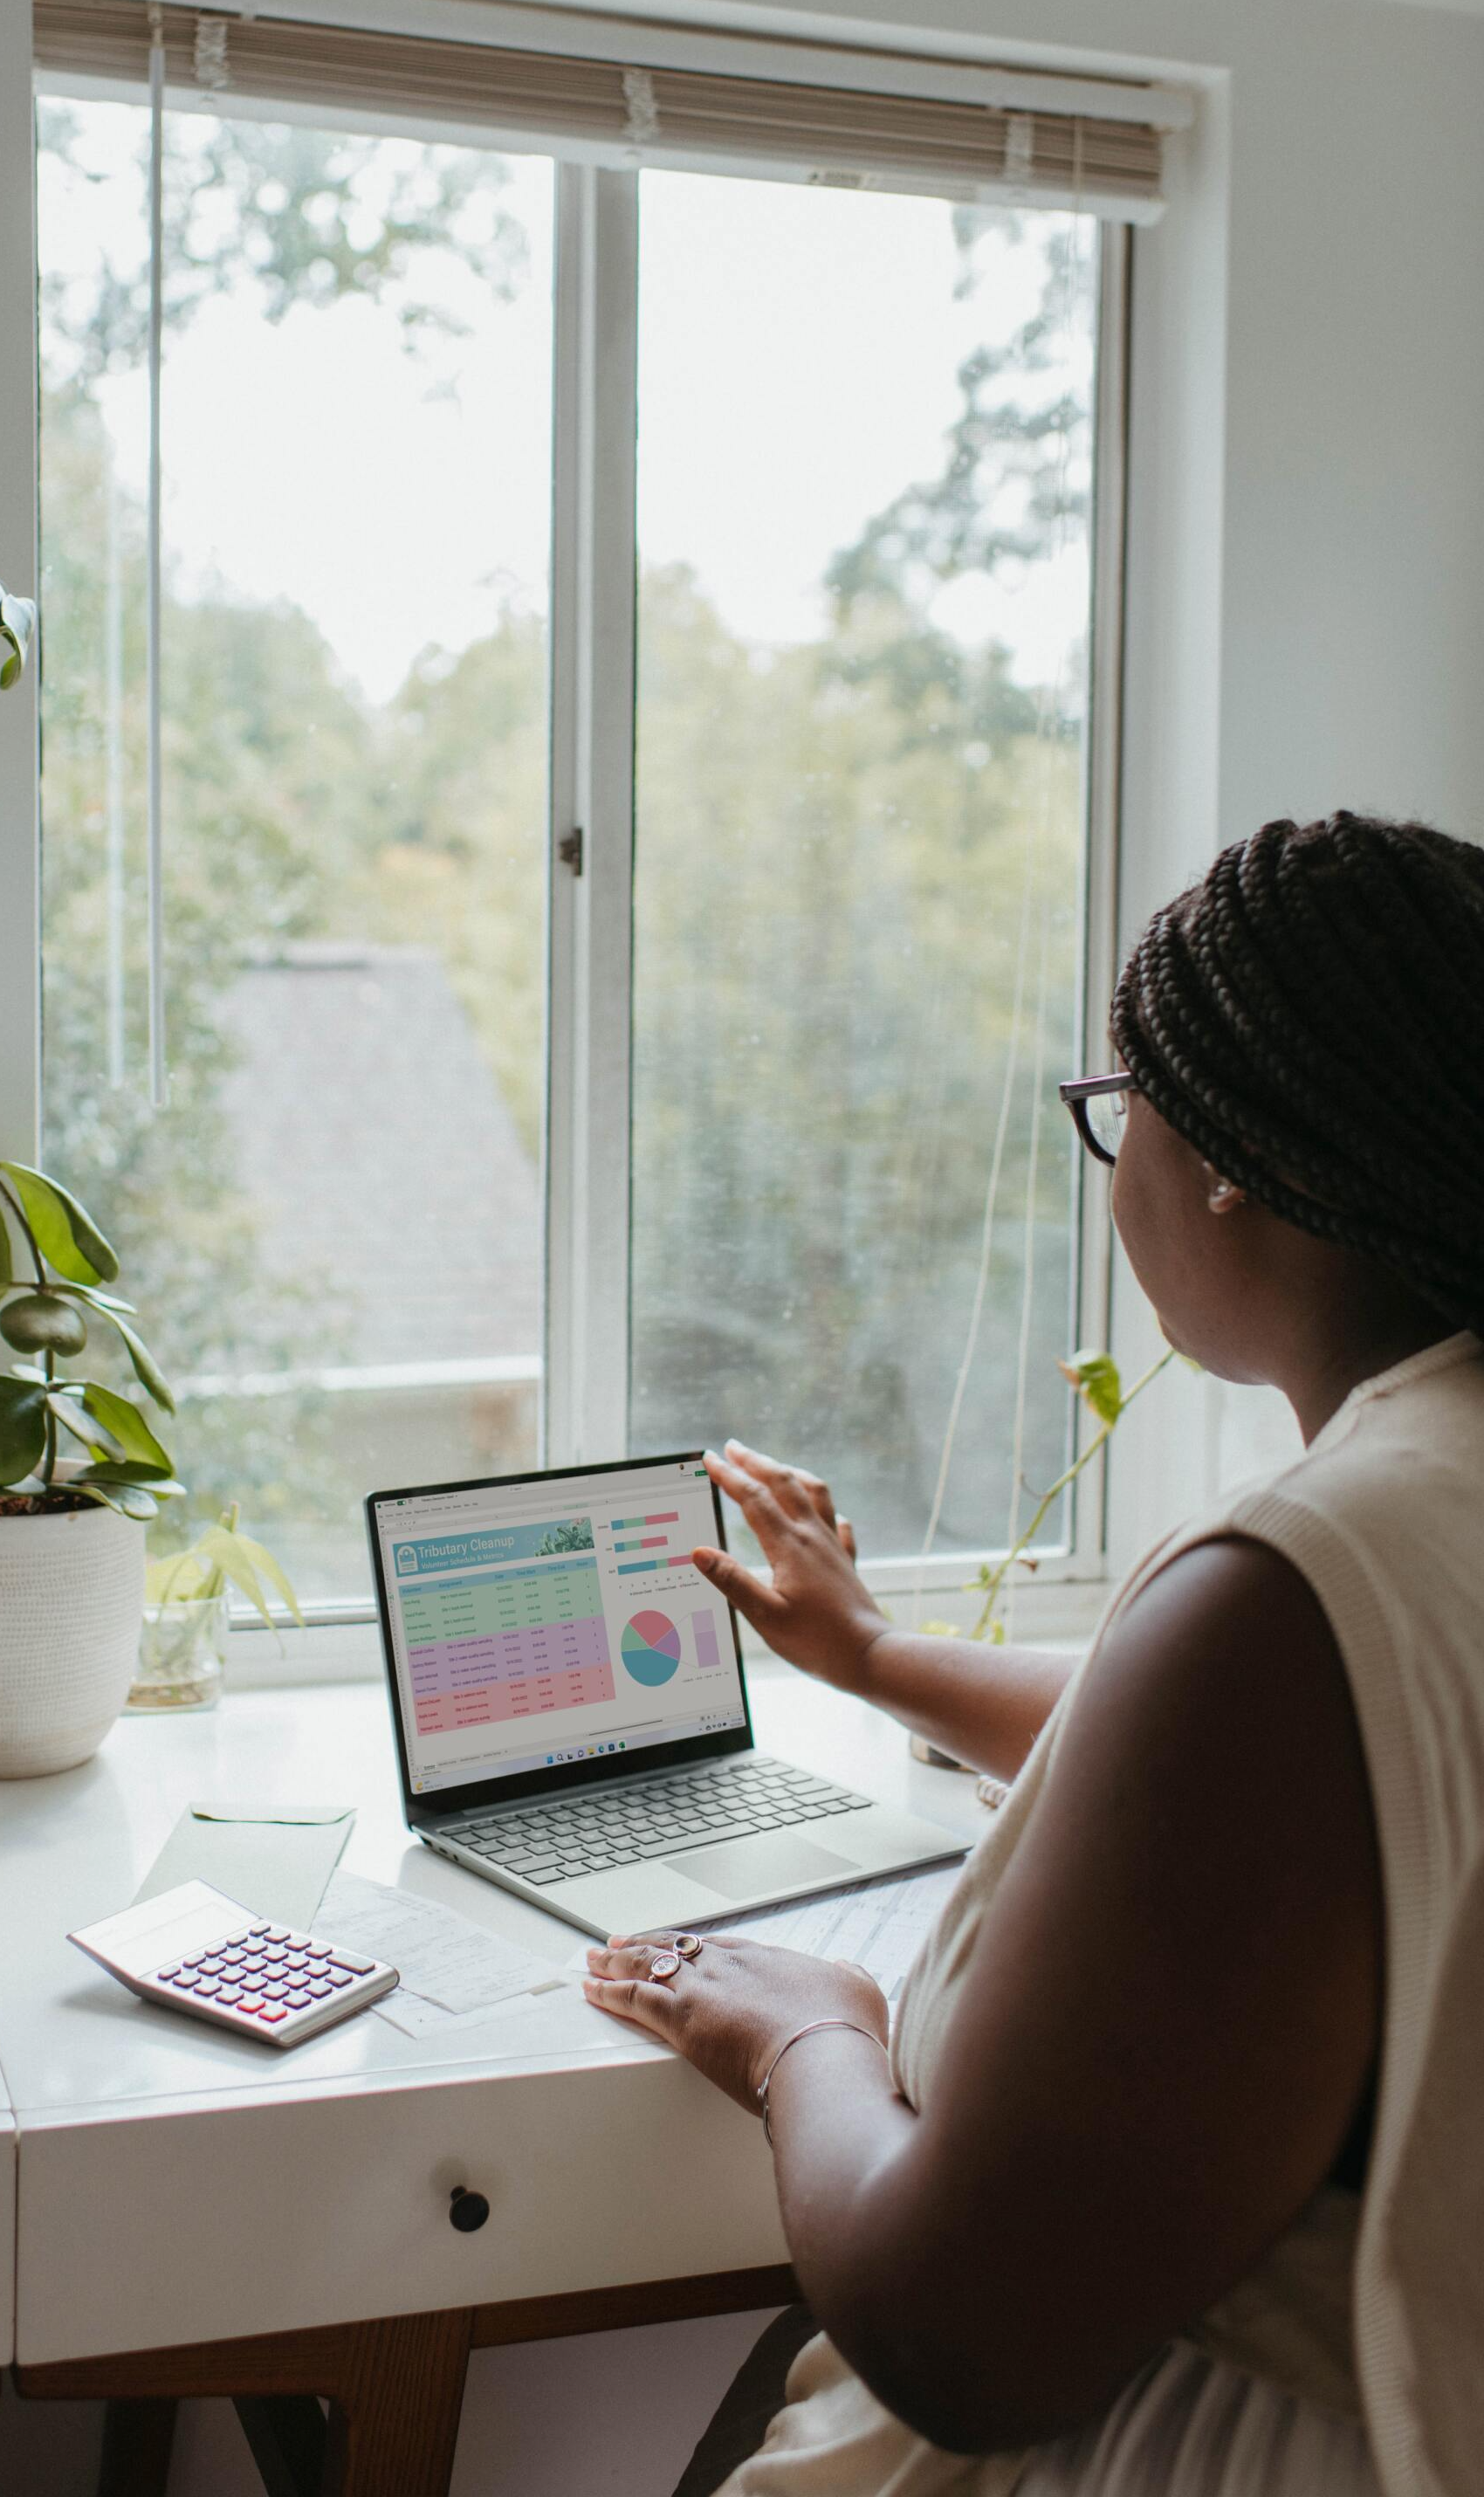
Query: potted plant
[[185, 1614], [72, 1527]]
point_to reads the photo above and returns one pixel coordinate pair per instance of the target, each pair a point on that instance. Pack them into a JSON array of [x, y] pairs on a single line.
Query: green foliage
[[1095, 1377], [17, 623], [873, 810], [43, 1315], [575, 1536], [290, 207], [222, 1557]]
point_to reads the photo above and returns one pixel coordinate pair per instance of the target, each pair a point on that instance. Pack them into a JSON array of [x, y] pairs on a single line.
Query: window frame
[[586, 1177]]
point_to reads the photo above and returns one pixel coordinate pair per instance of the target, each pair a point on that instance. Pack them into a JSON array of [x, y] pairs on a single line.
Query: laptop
[[571, 1711]]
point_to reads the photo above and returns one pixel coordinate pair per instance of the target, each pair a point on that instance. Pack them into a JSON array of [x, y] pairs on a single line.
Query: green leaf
[[17, 623], [7, 1269], [127, 1425], [146, 1369], [42, 1322], [22, 1427], [67, 1237], [1096, 1376], [225, 1550], [82, 1424], [182, 1578], [263, 1560], [128, 1500], [95, 1299], [129, 1469]]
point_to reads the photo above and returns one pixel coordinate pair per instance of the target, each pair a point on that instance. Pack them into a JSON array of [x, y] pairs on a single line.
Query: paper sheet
[[453, 1971], [880, 1924]]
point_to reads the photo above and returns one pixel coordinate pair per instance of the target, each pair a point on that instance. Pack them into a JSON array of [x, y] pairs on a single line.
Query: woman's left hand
[[730, 2008]]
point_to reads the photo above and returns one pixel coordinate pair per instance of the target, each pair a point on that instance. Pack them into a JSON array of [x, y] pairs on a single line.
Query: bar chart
[[518, 1643]]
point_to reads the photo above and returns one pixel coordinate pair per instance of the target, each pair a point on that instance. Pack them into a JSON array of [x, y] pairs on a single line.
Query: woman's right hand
[[817, 1613]]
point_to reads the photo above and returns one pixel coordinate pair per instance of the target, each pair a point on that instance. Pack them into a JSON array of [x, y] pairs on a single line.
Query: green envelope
[[273, 1858]]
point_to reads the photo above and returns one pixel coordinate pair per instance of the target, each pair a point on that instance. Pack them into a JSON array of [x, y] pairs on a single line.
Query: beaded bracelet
[[807, 2030]]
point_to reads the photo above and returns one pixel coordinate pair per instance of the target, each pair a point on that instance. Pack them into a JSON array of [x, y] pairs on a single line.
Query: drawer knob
[[467, 2211]]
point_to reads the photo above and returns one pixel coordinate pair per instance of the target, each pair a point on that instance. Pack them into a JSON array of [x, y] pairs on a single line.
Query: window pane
[[332, 1231], [865, 464]]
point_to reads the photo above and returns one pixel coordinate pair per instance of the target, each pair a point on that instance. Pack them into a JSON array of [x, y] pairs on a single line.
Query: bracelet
[[807, 2030]]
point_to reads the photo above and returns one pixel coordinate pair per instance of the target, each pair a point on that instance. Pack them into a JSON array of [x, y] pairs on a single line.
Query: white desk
[[177, 2189]]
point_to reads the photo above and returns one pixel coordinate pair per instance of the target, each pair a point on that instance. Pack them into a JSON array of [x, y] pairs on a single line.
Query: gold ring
[[665, 1965], [688, 1944]]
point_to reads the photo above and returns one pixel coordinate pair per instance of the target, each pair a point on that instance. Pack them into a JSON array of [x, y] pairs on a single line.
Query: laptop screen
[[554, 1619]]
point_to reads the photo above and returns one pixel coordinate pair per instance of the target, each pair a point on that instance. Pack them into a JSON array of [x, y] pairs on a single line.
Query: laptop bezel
[[449, 1802]]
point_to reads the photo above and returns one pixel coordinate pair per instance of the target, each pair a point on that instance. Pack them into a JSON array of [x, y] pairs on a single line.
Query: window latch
[[569, 849]]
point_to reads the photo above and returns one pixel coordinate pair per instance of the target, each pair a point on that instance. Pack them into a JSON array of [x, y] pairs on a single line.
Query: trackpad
[[740, 1867]]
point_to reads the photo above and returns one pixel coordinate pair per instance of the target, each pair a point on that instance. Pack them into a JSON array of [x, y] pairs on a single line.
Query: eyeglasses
[[1099, 1106]]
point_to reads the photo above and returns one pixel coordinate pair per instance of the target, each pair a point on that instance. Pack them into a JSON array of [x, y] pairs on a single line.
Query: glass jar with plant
[[185, 1614]]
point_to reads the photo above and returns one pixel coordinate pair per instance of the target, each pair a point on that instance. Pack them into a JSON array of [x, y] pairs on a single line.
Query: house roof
[[388, 1173]]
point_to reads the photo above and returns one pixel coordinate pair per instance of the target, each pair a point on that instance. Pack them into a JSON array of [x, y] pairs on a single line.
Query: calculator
[[197, 1950]]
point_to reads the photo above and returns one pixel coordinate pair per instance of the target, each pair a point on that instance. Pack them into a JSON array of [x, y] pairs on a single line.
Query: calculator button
[[317, 1951], [319, 1987], [167, 1975], [230, 1995], [278, 1934], [356, 1967], [272, 1990], [250, 2003], [259, 1932], [274, 2011], [210, 1967], [337, 1977], [274, 1954], [208, 1985], [298, 1998]]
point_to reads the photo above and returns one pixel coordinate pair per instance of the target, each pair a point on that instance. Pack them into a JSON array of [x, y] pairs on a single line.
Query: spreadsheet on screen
[[545, 1622]]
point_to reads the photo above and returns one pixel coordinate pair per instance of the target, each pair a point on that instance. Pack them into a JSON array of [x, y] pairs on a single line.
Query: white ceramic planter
[[72, 1598]]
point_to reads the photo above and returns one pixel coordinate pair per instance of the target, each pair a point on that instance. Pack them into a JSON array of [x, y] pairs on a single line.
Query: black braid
[[1311, 1017]]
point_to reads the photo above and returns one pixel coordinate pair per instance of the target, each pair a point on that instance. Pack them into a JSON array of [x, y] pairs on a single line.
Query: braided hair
[[1311, 1018]]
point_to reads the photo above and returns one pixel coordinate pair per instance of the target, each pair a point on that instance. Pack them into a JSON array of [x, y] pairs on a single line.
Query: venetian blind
[[837, 133]]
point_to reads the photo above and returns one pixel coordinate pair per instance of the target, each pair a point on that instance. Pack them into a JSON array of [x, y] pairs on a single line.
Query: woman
[[1114, 2214]]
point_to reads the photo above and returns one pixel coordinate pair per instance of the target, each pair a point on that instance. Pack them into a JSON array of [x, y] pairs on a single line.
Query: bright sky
[[797, 359]]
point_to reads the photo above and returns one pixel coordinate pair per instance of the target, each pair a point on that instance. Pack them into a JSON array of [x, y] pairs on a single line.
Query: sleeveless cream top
[[1374, 2306]]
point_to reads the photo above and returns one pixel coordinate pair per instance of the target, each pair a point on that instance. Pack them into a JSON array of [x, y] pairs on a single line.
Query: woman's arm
[[984, 1704], [1168, 2020]]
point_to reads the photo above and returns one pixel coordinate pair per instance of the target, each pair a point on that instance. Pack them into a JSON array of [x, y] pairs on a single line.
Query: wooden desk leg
[[284, 2436], [393, 2420], [136, 2441]]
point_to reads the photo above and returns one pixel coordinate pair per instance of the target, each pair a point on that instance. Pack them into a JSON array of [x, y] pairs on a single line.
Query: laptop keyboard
[[545, 1843]]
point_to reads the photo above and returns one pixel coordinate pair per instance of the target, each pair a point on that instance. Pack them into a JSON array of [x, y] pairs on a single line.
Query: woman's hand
[[730, 2008], [817, 1613]]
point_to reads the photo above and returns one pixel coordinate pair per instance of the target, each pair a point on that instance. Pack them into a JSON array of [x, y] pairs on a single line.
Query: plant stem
[[48, 1452], [997, 1576]]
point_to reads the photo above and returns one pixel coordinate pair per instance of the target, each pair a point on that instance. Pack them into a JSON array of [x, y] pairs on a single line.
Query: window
[[590, 1024], [865, 444], [332, 1221]]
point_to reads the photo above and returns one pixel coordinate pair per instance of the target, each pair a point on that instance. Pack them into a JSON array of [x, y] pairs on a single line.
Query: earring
[[1224, 1193]]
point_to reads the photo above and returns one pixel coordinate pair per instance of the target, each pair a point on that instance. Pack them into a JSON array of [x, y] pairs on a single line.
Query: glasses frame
[[1078, 1092]]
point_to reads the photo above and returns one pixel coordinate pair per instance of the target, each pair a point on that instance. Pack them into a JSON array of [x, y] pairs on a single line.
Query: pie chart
[[650, 1647]]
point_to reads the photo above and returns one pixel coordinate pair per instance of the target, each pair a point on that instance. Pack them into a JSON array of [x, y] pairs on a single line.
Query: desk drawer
[[140, 2230]]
